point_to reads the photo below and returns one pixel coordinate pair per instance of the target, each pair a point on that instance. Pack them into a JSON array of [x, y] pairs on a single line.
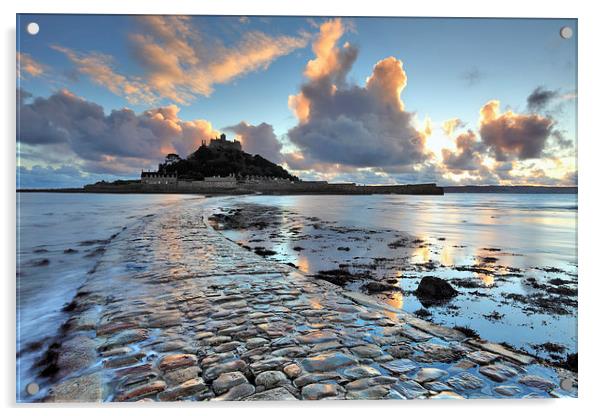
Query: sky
[[365, 100]]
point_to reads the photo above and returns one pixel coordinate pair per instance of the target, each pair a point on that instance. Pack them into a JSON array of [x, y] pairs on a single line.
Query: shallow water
[[509, 243], [62, 237]]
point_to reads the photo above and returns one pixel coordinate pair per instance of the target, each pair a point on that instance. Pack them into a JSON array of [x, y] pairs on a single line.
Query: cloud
[[346, 124], [27, 65], [449, 126], [468, 154], [259, 140], [120, 142], [540, 98], [180, 64], [100, 69], [513, 136]]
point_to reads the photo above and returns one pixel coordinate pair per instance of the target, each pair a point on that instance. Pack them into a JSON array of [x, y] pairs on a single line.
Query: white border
[[589, 165]]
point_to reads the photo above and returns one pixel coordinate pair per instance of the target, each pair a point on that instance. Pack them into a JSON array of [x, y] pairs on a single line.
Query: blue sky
[[452, 67]]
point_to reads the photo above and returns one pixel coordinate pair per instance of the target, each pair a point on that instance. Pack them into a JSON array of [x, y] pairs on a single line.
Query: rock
[[371, 393], [213, 341], [311, 378], [354, 373], [318, 391], [400, 351], [113, 327], [80, 389], [465, 381], [76, 354], [433, 290], [228, 346], [139, 392], [181, 375], [400, 366], [292, 371], [364, 383], [214, 372], [124, 361], [228, 380], [498, 372], [507, 390], [188, 388], [253, 343], [377, 287], [270, 379], [482, 357], [436, 386], [327, 361], [316, 337], [289, 352], [116, 351], [129, 336], [238, 392], [537, 382], [367, 351], [410, 389], [274, 363], [171, 362], [279, 394], [429, 374]]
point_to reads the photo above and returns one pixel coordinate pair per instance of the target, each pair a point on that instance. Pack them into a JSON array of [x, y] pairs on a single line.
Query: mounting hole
[[566, 32], [33, 28], [32, 388]]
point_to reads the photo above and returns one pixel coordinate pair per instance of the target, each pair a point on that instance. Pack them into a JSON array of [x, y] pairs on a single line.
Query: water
[[61, 238], [503, 250]]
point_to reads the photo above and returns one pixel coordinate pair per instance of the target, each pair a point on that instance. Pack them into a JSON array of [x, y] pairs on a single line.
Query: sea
[[511, 246]]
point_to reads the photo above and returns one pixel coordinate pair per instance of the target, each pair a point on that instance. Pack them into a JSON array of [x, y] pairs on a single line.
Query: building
[[220, 143], [156, 178]]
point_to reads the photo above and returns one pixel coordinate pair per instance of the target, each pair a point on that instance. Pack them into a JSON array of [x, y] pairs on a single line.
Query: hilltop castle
[[220, 143]]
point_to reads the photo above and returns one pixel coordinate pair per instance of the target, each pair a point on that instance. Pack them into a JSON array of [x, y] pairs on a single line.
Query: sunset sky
[[368, 100]]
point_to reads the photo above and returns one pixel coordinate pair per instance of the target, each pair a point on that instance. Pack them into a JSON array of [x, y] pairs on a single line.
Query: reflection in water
[[395, 300], [303, 264]]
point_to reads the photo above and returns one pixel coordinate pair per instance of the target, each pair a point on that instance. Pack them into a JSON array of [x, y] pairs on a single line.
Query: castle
[[220, 143]]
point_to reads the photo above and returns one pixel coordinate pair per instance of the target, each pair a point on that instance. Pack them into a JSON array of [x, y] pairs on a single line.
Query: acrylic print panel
[[295, 208]]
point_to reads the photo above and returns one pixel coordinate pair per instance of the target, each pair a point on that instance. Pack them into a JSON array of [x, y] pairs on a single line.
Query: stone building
[[156, 178], [221, 143]]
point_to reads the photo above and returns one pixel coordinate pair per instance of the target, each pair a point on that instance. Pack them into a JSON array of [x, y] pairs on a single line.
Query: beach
[[168, 297]]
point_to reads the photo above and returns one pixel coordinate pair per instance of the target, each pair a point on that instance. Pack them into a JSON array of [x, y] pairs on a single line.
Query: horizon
[[361, 100]]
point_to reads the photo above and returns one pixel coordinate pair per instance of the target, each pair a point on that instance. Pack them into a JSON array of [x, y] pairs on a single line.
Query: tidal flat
[[162, 298]]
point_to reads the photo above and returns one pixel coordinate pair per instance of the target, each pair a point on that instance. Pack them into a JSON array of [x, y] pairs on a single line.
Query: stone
[[507, 390], [139, 392], [181, 375], [292, 370], [316, 337], [253, 343], [410, 389], [113, 327], [76, 354], [482, 357], [228, 346], [80, 389], [503, 351], [130, 336], [116, 351], [238, 392], [367, 351], [434, 289], [371, 393], [537, 382], [356, 372], [498, 372], [124, 361], [327, 361], [270, 379], [465, 381], [188, 388], [279, 394], [429, 374], [273, 363], [289, 352], [364, 383], [318, 391], [214, 372], [400, 366], [228, 380], [400, 351], [171, 362], [311, 378], [436, 386]]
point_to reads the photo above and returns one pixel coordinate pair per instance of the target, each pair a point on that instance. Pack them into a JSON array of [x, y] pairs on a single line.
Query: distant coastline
[[375, 188]]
